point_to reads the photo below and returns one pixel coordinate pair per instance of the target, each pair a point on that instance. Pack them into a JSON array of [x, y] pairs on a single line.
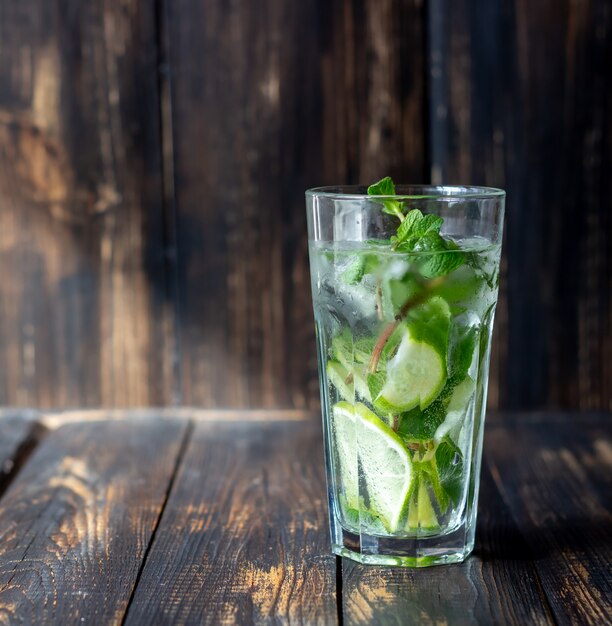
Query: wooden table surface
[[200, 517]]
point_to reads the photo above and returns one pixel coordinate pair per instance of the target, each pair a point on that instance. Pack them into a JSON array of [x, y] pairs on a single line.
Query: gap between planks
[[179, 460], [42, 424], [34, 433]]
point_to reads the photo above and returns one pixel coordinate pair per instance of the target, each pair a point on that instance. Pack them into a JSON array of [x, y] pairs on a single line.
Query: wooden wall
[[154, 154]]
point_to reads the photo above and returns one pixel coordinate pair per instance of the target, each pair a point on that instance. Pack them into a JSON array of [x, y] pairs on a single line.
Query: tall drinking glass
[[404, 303]]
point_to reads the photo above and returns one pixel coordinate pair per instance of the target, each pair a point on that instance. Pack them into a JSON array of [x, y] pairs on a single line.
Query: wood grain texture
[[522, 99], [555, 481], [244, 537], [227, 523], [84, 318], [59, 418], [153, 158], [268, 99], [75, 524], [498, 585]]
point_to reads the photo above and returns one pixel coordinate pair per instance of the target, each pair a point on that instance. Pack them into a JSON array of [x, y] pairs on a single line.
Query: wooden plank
[[497, 585], [587, 432], [19, 433], [59, 418], [76, 523], [84, 318], [244, 535], [270, 98], [556, 484], [521, 98]]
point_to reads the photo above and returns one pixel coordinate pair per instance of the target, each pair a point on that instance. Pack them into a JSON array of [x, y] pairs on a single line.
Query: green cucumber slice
[[415, 376]]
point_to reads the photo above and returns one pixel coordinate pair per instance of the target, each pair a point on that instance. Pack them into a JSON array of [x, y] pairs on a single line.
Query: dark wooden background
[[154, 154]]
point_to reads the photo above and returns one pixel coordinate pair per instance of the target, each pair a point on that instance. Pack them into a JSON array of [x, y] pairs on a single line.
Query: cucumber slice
[[415, 375]]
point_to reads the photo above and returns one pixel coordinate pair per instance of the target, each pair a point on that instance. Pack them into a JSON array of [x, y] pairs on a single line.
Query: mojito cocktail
[[404, 293]]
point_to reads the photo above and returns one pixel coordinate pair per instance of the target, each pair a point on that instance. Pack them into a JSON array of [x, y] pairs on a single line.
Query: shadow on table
[[510, 543], [480, 591]]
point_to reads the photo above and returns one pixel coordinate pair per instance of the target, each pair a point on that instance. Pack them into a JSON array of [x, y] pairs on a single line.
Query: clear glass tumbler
[[404, 302]]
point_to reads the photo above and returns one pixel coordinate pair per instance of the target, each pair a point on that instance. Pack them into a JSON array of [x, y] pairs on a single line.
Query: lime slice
[[342, 348], [456, 411], [386, 468], [356, 372], [415, 375], [421, 513], [345, 451], [462, 394], [338, 376]]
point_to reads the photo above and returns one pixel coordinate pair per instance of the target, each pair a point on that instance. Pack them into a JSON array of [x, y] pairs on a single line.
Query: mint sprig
[[385, 187], [419, 233], [414, 228]]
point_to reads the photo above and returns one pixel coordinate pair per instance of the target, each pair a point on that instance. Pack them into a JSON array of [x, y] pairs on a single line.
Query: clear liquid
[[357, 306]]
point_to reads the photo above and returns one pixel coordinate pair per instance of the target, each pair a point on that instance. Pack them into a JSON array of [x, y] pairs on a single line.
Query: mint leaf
[[385, 187], [419, 233], [416, 225], [415, 228], [446, 256], [342, 348], [461, 285], [398, 291], [462, 353], [362, 349], [428, 469], [417, 425], [449, 461], [357, 266], [392, 344], [430, 241], [375, 383], [354, 271], [440, 264], [430, 223], [408, 226], [430, 322], [362, 517]]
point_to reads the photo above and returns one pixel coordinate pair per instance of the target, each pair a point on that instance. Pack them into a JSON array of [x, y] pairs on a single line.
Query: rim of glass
[[409, 192]]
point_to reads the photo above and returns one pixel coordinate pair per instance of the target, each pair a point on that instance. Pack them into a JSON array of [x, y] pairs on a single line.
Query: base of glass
[[404, 552]]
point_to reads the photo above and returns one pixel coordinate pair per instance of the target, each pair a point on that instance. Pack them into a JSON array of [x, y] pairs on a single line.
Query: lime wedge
[[386, 468], [357, 373], [456, 411], [345, 451], [415, 375], [338, 376], [384, 462], [342, 349], [421, 513], [462, 394]]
